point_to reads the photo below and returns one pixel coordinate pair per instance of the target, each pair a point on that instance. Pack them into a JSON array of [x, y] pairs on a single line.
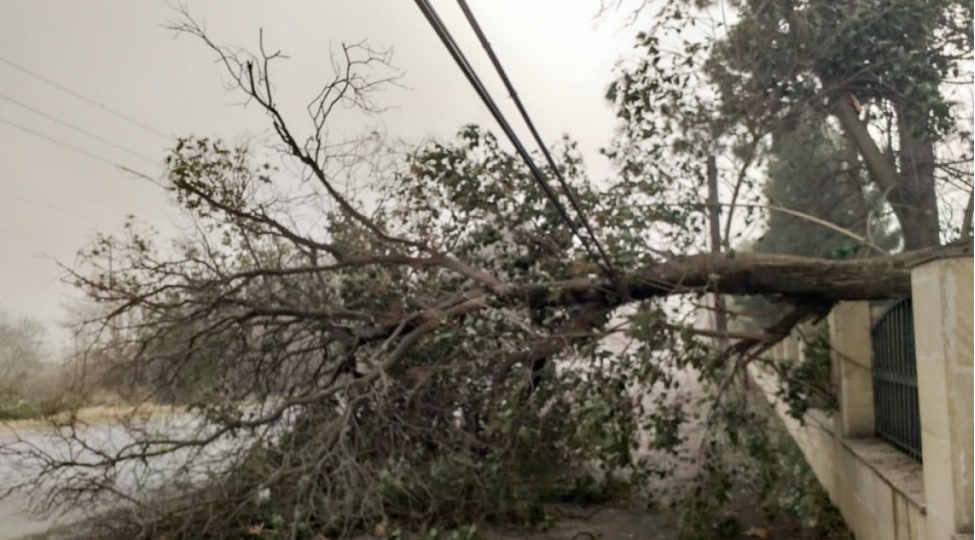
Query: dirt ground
[[599, 524], [610, 522], [617, 522]]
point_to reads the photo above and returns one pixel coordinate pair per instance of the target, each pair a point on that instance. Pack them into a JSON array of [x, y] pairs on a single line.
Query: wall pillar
[[852, 359], [942, 297]]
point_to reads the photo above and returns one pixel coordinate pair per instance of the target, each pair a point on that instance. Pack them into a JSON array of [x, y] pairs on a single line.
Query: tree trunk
[[790, 277], [800, 280], [910, 191], [914, 200]]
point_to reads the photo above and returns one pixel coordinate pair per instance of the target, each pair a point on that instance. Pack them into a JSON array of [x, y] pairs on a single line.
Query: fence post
[[852, 359], [942, 295]]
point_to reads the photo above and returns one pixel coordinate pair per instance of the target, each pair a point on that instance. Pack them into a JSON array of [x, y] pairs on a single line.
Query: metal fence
[[898, 418]]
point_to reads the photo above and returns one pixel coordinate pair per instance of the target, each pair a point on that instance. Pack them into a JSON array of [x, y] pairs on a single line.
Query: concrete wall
[[879, 491], [942, 292], [883, 494]]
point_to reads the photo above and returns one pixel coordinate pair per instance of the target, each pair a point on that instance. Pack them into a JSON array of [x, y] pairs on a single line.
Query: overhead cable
[[472, 20], [5, 196], [76, 128], [92, 155], [84, 98], [447, 39]]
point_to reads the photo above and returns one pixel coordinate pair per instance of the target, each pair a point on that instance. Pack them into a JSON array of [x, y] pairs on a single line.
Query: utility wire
[[35, 238], [76, 128], [447, 39], [486, 45], [72, 147], [86, 99], [4, 196]]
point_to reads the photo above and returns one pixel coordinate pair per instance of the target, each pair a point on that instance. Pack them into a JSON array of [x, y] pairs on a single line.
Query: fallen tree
[[877, 278], [438, 355]]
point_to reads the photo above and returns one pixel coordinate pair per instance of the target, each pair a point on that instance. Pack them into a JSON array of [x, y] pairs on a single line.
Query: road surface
[[17, 523]]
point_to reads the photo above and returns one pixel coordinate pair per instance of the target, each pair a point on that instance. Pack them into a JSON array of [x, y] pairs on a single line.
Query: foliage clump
[[321, 368]]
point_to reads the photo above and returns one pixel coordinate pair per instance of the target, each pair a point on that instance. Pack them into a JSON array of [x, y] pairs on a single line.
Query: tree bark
[[915, 194], [801, 280], [910, 191], [790, 277]]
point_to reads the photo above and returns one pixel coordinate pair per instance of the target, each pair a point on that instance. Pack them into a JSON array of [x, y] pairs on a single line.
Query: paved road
[[16, 522], [15, 517], [20, 446]]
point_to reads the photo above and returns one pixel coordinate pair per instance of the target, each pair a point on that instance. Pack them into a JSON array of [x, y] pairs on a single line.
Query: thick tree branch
[[802, 280], [882, 171], [780, 329], [746, 274]]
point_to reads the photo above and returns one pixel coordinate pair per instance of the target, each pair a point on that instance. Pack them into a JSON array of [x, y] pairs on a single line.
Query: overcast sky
[[119, 54]]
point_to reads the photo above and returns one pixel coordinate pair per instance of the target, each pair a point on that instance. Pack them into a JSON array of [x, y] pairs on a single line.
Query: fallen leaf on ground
[[757, 532]]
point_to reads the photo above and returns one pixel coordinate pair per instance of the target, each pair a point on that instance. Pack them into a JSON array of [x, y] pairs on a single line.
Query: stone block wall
[[883, 494]]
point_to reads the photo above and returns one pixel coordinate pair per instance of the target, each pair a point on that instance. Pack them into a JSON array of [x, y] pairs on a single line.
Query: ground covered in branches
[[610, 522]]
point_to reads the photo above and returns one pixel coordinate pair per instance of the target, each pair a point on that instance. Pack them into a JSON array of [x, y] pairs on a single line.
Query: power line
[[35, 238], [84, 98], [70, 146], [472, 20], [447, 39], [76, 128], [4, 196]]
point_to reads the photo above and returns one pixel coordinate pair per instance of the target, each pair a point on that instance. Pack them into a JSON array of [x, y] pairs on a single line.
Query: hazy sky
[[118, 53]]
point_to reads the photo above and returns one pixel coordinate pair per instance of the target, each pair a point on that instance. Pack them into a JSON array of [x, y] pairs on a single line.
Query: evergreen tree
[[812, 171]]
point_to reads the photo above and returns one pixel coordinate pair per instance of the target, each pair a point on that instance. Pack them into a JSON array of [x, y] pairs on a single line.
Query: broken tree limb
[[799, 280], [875, 278], [780, 329]]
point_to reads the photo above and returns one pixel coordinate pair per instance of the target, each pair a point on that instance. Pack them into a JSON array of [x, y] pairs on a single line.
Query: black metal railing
[[898, 419]]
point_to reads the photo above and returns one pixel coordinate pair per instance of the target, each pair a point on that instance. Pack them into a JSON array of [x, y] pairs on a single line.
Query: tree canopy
[[878, 70]]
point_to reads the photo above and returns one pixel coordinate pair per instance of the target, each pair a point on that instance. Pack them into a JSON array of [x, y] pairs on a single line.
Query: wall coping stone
[[959, 249], [900, 472]]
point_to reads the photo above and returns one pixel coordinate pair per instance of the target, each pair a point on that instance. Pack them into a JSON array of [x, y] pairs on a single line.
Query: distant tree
[[22, 353], [810, 169], [878, 70]]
